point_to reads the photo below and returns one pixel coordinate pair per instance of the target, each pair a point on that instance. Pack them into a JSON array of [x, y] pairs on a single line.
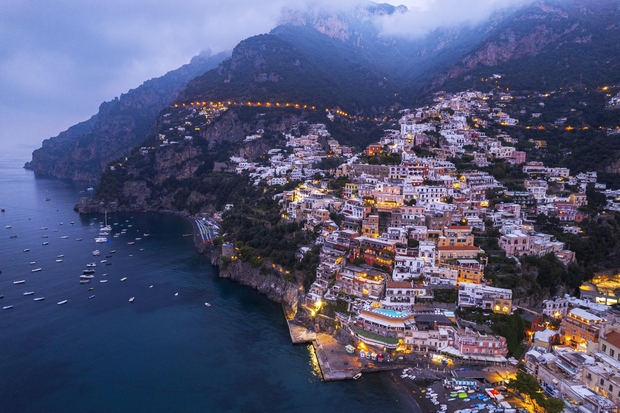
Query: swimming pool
[[391, 313]]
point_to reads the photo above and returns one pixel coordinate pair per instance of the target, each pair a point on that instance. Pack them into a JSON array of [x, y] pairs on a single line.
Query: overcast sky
[[59, 60]]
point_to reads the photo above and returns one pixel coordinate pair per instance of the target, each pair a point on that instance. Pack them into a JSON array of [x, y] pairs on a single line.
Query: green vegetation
[[527, 384], [510, 326]]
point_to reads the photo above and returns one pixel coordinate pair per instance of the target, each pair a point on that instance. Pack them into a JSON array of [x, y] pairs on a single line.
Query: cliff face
[[276, 289], [84, 150]]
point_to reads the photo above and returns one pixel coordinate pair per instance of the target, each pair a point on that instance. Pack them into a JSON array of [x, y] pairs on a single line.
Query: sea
[[165, 352]]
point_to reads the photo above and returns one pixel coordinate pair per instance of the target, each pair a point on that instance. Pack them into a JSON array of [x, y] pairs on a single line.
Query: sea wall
[[275, 288]]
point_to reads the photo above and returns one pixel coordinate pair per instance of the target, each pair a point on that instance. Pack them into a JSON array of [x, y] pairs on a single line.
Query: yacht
[[101, 239], [63, 302], [86, 277], [29, 293], [96, 253], [88, 271], [19, 282], [131, 299], [36, 269], [39, 299], [106, 227]]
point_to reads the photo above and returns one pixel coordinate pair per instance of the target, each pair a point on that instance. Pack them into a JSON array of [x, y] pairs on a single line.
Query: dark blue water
[[162, 353]]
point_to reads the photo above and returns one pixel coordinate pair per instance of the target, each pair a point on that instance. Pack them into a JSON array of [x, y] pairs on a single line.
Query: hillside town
[[397, 234]]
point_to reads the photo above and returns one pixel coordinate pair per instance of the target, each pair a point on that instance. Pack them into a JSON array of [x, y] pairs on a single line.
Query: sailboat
[[106, 227]]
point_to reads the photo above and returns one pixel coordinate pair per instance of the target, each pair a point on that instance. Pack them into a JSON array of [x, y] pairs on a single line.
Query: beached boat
[[357, 376], [131, 299], [19, 282], [123, 279], [7, 307], [63, 302], [36, 269], [29, 293], [39, 299]]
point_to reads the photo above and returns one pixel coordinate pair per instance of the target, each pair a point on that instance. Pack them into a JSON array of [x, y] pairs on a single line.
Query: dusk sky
[[60, 60]]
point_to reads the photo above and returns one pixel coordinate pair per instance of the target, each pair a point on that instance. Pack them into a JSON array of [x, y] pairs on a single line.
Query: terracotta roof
[[613, 338], [460, 227], [459, 248], [398, 284]]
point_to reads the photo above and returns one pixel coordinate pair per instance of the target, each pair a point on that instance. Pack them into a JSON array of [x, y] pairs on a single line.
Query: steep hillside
[[84, 150]]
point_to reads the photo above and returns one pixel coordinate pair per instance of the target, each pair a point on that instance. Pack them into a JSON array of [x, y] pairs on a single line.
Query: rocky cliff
[[83, 151], [275, 288]]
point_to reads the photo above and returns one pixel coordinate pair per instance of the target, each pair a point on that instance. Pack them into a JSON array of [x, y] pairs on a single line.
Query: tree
[[553, 405]]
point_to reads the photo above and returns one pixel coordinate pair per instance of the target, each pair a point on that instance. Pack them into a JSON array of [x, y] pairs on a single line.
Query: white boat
[[78, 239], [208, 305], [19, 282], [101, 239], [7, 307], [86, 277], [357, 376], [113, 252], [131, 299], [104, 260], [91, 296], [29, 293], [138, 239], [64, 237], [8, 227], [106, 227], [44, 236], [63, 302], [39, 299], [59, 260], [90, 188], [32, 262], [103, 281], [36, 269], [60, 256], [46, 243], [150, 286], [130, 243], [71, 222], [96, 253], [103, 233], [27, 249], [43, 228], [84, 281], [91, 264], [123, 279]]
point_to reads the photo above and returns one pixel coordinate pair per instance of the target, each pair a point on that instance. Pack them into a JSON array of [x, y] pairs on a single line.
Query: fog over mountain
[[59, 61]]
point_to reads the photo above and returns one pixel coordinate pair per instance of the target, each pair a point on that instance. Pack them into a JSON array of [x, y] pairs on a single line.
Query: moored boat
[[101, 239], [63, 302], [26, 249], [91, 296], [131, 299], [36, 269], [29, 293], [123, 279], [19, 282], [46, 243], [39, 299], [103, 281], [91, 264], [357, 376], [84, 281], [7, 307], [86, 277], [88, 271]]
